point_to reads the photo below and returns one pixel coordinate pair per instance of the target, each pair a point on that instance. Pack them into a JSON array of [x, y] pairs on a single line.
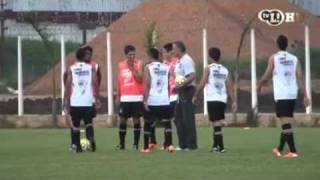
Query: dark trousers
[[185, 119]]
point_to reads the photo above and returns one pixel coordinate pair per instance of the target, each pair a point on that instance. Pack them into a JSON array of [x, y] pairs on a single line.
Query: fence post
[[254, 98], [205, 64], [308, 70], [110, 76], [20, 79]]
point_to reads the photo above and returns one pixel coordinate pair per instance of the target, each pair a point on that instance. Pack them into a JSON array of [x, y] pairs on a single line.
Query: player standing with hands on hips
[[218, 82], [285, 70]]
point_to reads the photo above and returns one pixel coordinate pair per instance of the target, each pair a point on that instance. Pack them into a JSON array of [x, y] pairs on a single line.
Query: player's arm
[[267, 74], [146, 84], [99, 77], [96, 88], [137, 73], [301, 83], [118, 95], [203, 82], [67, 93], [230, 91], [65, 76]]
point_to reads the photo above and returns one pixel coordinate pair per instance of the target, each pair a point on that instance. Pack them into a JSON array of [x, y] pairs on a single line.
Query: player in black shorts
[[218, 84], [130, 95], [286, 71], [82, 91], [156, 100]]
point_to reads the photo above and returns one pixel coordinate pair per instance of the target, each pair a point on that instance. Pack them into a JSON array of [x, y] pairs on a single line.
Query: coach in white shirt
[[185, 109]]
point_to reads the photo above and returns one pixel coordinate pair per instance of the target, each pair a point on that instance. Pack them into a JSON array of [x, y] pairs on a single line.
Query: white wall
[[71, 32], [73, 5]]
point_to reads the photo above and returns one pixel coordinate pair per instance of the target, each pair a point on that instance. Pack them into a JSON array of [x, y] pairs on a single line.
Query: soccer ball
[[180, 80], [85, 144]]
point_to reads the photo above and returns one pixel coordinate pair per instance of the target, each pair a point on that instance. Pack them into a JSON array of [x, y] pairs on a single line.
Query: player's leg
[[147, 119], [76, 118], [166, 114], [216, 116], [153, 139], [137, 111], [90, 113], [123, 116], [284, 111]]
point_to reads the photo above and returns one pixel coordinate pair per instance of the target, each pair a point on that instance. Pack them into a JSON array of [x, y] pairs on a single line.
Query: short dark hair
[[154, 53], [180, 45], [129, 48], [80, 54], [282, 42], [88, 48], [168, 47], [214, 53]]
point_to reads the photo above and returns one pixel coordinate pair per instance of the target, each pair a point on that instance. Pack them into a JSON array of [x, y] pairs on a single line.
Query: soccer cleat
[[290, 155], [170, 149], [146, 150], [120, 147], [162, 148], [222, 150], [215, 149], [152, 146], [276, 152], [178, 149], [73, 148]]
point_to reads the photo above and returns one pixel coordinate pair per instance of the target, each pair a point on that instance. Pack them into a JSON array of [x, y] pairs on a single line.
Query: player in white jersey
[[81, 93], [87, 50], [218, 84], [156, 99], [286, 71]]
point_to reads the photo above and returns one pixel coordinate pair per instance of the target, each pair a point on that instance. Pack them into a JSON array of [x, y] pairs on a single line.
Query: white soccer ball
[[85, 144], [180, 80]]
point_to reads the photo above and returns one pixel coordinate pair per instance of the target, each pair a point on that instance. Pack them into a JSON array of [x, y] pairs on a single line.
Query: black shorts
[[285, 108], [82, 113], [131, 109], [216, 110], [157, 113]]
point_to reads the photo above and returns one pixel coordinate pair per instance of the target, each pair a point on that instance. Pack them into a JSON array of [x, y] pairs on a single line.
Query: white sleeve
[[188, 67]]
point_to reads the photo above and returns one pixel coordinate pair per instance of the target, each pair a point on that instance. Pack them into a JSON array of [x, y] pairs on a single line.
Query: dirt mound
[[184, 20]]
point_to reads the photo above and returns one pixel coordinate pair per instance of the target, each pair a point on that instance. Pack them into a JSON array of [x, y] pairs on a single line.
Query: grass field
[[43, 154]]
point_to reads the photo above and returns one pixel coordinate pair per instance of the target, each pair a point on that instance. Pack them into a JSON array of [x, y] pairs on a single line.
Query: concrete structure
[[312, 6], [78, 20]]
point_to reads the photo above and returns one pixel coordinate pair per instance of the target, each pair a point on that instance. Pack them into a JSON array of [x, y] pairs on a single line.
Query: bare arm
[[301, 84], [99, 76], [267, 74], [203, 82], [230, 90], [146, 83], [67, 92], [95, 83], [137, 74]]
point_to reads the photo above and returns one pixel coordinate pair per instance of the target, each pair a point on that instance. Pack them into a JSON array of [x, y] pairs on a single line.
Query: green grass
[[42, 154]]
